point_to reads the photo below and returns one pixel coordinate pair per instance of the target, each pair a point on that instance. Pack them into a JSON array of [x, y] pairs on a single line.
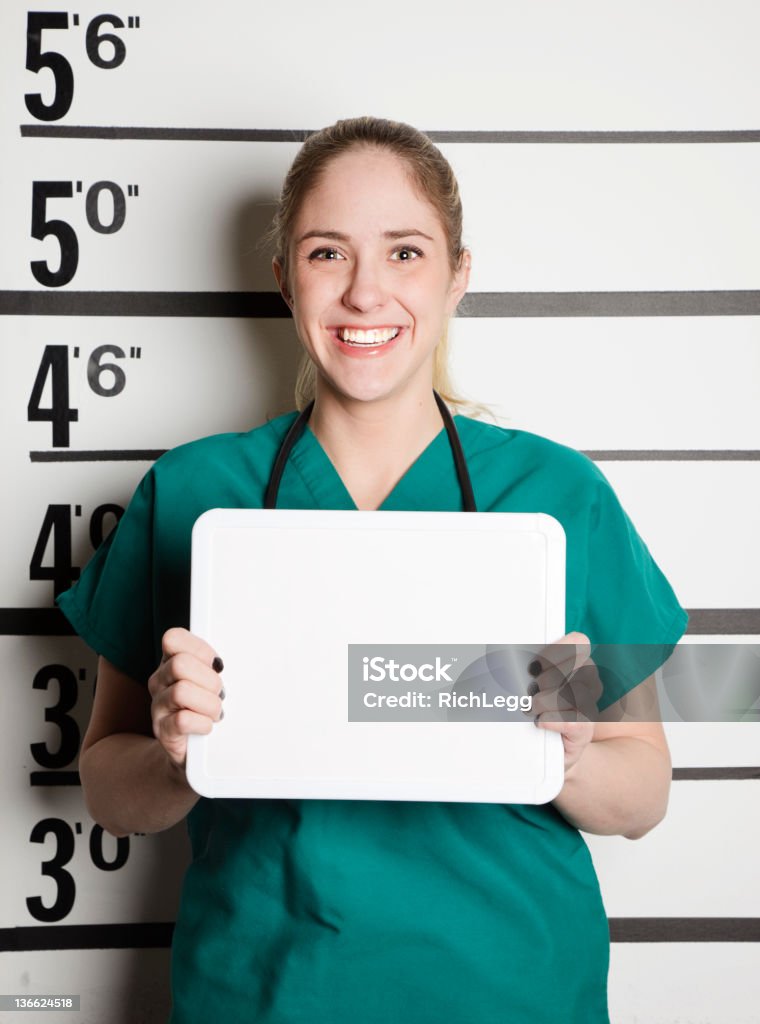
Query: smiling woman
[[303, 911], [420, 183], [376, 291], [372, 249]]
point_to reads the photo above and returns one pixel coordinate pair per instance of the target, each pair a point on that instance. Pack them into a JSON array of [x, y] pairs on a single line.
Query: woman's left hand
[[565, 689]]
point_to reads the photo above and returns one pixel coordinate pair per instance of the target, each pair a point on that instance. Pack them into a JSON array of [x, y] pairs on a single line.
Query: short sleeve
[[629, 610], [112, 605]]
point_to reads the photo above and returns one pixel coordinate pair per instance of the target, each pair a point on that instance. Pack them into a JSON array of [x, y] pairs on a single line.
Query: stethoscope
[[463, 476]]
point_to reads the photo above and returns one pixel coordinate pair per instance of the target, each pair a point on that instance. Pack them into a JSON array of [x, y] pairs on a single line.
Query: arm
[[620, 784], [133, 753], [617, 772]]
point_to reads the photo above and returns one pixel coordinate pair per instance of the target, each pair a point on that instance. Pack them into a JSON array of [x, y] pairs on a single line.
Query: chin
[[368, 390], [366, 394], [371, 384]]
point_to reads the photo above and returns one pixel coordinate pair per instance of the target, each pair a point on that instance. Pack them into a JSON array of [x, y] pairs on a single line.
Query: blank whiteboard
[[280, 594]]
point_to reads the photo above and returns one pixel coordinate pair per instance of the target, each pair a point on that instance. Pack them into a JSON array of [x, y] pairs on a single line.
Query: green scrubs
[[372, 912]]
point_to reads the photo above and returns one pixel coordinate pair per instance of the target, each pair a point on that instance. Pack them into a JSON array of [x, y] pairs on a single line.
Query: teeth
[[377, 337]]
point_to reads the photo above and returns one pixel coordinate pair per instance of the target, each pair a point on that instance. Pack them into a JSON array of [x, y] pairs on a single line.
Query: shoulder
[[226, 452], [221, 470], [524, 456]]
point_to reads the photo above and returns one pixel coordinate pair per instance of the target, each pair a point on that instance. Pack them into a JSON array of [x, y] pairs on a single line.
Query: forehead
[[367, 187]]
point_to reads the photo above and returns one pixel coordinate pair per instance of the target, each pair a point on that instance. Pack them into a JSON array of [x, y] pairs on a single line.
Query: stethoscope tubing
[[299, 424]]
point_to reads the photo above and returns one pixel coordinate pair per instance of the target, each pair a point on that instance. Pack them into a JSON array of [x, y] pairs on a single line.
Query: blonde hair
[[430, 172]]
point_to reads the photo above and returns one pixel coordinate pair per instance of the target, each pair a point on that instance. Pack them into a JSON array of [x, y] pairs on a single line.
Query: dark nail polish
[[217, 664], [222, 694], [221, 714], [535, 667]]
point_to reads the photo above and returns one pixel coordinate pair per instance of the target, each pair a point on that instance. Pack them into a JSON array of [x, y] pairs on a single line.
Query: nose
[[365, 289]]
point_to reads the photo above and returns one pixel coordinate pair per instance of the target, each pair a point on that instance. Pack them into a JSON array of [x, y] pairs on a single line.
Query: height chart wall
[[608, 157]]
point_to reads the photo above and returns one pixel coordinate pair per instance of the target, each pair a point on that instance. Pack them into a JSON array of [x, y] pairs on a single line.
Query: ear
[[282, 284], [459, 282]]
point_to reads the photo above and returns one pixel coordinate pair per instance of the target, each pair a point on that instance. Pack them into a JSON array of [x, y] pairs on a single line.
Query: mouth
[[375, 337]]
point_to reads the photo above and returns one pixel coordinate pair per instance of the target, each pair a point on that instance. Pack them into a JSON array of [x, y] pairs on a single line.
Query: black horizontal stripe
[[674, 455], [165, 134], [98, 455], [684, 929], [158, 935], [54, 778], [608, 303], [595, 137], [600, 455], [723, 621], [715, 774], [702, 622], [269, 305], [34, 622], [266, 305], [143, 935]]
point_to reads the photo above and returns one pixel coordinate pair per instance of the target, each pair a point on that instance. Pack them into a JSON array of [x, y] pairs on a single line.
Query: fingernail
[[217, 664], [535, 668], [221, 714], [222, 694]]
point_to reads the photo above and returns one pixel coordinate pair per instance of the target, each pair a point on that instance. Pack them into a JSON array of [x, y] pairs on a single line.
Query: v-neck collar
[[329, 492]]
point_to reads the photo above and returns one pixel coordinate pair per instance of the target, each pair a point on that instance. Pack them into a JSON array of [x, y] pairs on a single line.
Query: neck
[[372, 444]]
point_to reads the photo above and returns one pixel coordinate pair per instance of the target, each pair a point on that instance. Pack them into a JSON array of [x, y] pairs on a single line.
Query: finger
[[549, 702], [185, 695], [560, 718], [170, 728], [582, 688], [579, 692], [557, 725], [558, 709], [588, 683], [566, 654], [579, 732], [579, 639], [573, 733], [178, 640], [545, 674], [186, 666]]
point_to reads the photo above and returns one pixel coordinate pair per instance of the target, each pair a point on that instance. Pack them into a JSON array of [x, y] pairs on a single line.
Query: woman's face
[[370, 284]]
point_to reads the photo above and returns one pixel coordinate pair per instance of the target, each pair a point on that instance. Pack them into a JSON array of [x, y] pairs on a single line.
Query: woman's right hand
[[186, 691]]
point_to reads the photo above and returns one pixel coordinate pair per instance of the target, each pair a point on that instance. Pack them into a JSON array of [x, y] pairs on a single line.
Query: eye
[[326, 255], [407, 254]]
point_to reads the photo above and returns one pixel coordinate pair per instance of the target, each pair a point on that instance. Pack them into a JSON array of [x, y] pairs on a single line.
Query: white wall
[[664, 364]]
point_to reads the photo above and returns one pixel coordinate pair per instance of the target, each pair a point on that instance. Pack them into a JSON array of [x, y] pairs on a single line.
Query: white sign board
[[281, 594]]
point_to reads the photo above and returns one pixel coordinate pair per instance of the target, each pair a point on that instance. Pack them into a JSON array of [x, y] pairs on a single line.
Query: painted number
[[56, 530], [105, 210], [55, 367], [68, 742], [55, 867], [105, 376], [36, 59], [105, 49]]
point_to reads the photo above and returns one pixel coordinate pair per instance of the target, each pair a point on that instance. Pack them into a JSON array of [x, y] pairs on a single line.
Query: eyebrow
[[339, 237]]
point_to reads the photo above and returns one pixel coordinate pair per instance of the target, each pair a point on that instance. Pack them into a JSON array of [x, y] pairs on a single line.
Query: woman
[[372, 911]]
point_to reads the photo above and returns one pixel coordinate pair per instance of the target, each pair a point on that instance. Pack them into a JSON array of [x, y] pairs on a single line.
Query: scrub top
[[371, 912]]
